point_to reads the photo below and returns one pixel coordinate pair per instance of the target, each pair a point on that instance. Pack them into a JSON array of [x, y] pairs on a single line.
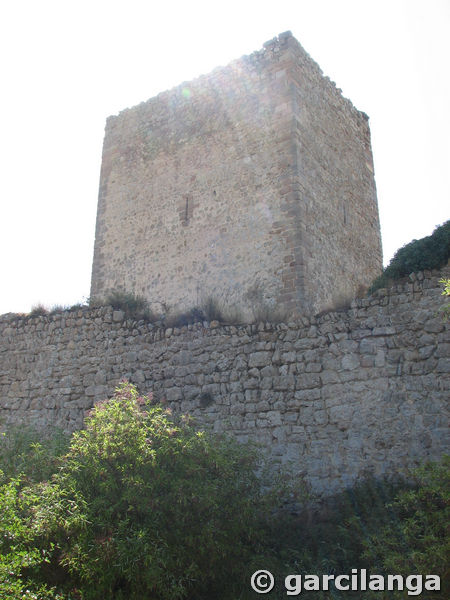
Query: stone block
[[288, 357], [173, 394], [435, 325], [380, 358], [329, 376], [273, 417], [282, 383], [350, 362], [307, 381], [250, 384], [443, 365], [259, 359]]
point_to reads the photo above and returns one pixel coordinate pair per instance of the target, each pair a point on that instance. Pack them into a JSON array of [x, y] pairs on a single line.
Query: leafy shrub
[[141, 505], [384, 527], [27, 515], [332, 539], [416, 540], [147, 507], [431, 252], [34, 454], [176, 513]]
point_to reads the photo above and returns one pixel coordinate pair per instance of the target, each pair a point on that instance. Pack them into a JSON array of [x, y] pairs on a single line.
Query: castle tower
[[254, 183]]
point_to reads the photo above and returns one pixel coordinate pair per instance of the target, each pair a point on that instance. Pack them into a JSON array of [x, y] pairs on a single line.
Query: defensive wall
[[335, 396]]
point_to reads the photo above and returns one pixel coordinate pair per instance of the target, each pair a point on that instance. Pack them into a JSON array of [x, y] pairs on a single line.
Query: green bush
[[142, 505], [382, 526], [175, 512], [416, 539], [431, 252], [332, 539], [445, 309], [146, 507], [34, 520], [34, 454]]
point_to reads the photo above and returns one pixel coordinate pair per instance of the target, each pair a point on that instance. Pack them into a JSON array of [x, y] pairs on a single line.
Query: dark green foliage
[[23, 555], [416, 539], [175, 513], [382, 527], [34, 454], [146, 507], [431, 252], [332, 540], [17, 552], [143, 506]]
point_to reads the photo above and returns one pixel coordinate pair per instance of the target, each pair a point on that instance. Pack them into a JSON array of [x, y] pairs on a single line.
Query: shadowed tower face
[[253, 184]]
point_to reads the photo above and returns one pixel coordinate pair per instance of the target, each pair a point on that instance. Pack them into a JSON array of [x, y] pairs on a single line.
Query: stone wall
[[257, 176], [335, 395], [334, 202]]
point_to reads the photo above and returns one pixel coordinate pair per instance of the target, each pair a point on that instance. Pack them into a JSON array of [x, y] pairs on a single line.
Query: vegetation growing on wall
[[40, 310], [209, 310], [133, 305], [141, 505], [431, 252], [446, 292], [137, 307]]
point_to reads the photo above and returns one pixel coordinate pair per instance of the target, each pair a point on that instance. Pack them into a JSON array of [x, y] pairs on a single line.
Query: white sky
[[66, 66]]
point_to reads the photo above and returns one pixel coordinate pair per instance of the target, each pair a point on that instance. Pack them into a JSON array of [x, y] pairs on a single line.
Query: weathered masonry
[[334, 397], [255, 177]]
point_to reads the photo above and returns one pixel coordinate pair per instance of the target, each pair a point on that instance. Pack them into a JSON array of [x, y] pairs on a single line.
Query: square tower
[[256, 177]]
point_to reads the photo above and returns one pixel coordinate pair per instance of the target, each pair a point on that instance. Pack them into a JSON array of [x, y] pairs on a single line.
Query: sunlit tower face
[[253, 184]]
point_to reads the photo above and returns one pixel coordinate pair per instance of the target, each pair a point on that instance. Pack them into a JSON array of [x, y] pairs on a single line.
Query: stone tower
[[254, 183]]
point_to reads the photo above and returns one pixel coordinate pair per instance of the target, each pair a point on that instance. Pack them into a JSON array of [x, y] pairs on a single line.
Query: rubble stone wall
[[255, 177], [334, 396]]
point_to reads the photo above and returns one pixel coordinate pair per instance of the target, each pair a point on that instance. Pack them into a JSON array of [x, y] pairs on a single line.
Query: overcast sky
[[66, 66]]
